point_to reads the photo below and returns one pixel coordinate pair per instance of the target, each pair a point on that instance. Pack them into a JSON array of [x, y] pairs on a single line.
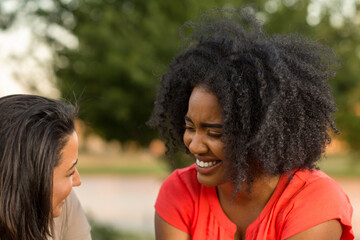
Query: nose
[[76, 180], [197, 145]]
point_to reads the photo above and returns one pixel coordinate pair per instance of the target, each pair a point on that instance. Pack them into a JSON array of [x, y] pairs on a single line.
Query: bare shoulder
[[329, 230], [165, 231]]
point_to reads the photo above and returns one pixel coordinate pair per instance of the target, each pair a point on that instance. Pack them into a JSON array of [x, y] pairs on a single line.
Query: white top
[[72, 223]]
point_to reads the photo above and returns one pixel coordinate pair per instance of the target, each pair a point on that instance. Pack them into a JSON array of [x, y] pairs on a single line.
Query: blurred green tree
[[111, 53]]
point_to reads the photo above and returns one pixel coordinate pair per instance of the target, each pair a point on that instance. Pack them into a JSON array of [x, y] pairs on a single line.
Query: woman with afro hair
[[255, 111]]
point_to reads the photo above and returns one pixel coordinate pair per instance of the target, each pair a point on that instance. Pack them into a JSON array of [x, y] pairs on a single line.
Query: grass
[[143, 162], [157, 169], [344, 165], [129, 163], [101, 231]]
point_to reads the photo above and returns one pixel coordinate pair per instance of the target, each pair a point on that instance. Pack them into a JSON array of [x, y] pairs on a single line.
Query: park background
[[108, 55]]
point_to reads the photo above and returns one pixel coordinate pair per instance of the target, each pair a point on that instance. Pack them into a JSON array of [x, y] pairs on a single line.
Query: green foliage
[[100, 231], [139, 169], [341, 165], [125, 45], [345, 40], [123, 48]]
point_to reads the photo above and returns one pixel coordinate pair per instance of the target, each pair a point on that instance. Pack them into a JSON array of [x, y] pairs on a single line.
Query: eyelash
[[210, 134], [72, 173], [215, 135]]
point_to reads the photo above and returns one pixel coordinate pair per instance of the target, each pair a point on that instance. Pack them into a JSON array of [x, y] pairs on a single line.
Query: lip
[[209, 170]]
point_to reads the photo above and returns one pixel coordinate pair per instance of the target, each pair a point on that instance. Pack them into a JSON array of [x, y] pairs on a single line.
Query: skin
[[65, 175], [203, 140], [203, 131]]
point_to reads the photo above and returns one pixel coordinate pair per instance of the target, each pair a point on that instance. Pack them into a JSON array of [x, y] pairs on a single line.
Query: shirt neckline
[[228, 225]]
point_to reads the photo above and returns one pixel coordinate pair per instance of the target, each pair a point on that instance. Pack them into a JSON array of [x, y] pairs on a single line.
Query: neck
[[260, 192], [243, 208]]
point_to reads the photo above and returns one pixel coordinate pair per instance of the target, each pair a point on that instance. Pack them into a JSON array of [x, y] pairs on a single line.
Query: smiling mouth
[[206, 164]]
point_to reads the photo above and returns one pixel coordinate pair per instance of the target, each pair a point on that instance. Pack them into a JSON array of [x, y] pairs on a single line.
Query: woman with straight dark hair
[[38, 157]]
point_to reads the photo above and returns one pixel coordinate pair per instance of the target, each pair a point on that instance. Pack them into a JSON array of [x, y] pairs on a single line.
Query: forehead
[[204, 105], [69, 153]]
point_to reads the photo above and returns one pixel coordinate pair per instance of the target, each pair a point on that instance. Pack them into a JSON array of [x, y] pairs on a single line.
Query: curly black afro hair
[[277, 107]]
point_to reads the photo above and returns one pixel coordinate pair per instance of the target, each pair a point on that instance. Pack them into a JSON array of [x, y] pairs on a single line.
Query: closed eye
[[71, 174], [215, 135], [189, 128]]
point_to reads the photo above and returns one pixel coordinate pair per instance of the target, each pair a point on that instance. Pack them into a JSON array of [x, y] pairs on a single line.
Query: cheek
[[186, 139], [218, 149], [61, 190]]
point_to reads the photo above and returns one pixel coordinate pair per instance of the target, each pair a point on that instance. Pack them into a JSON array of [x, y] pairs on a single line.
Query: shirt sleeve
[[76, 224], [320, 201], [175, 203]]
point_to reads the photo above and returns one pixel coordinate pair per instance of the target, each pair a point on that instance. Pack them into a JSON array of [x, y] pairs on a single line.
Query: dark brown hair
[[33, 131]]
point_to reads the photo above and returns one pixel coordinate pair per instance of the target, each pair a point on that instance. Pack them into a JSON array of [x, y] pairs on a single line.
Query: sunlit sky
[[14, 56], [10, 43], [8, 85]]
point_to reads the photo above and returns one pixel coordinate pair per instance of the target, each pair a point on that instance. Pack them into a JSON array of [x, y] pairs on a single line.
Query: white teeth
[[205, 164]]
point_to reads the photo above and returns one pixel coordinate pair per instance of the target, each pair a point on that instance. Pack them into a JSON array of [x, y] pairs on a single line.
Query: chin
[[57, 211], [207, 182]]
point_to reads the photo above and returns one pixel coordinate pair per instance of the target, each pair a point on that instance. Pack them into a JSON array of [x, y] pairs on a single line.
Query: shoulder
[[317, 183], [178, 197], [310, 176], [187, 174], [72, 200], [317, 191], [72, 223], [72, 206], [314, 198], [183, 180]]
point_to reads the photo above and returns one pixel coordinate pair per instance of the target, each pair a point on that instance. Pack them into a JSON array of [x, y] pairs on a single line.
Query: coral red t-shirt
[[309, 199]]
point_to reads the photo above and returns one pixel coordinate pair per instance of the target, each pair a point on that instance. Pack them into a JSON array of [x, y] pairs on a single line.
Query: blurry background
[[108, 55]]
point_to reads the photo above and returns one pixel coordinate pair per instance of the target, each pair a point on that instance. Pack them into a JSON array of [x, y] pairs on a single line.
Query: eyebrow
[[210, 125], [72, 166]]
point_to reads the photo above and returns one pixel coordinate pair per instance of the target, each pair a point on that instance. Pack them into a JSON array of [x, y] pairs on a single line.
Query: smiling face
[[203, 130], [65, 175]]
